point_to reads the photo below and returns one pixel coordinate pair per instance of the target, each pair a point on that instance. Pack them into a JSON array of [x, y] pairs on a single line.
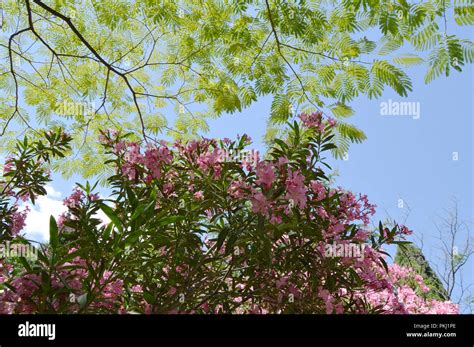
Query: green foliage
[[189, 236], [449, 54], [24, 173], [345, 135], [464, 12], [165, 66], [409, 255]]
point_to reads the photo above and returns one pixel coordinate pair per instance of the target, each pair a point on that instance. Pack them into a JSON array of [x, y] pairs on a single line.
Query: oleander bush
[[206, 226]]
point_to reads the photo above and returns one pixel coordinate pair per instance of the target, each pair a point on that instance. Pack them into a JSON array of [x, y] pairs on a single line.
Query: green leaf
[[384, 264], [132, 238], [112, 215], [464, 15], [169, 220], [25, 264], [408, 60], [138, 212], [53, 233], [149, 298], [341, 110], [392, 76], [107, 231]]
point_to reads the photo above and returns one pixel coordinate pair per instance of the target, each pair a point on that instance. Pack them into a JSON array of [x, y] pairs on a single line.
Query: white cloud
[[37, 221], [103, 217], [52, 192]]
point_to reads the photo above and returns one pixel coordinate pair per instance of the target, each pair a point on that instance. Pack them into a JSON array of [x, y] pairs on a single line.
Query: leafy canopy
[[166, 66]]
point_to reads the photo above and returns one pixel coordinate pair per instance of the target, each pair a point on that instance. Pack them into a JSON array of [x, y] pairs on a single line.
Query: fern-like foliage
[[166, 67], [393, 76], [345, 135]]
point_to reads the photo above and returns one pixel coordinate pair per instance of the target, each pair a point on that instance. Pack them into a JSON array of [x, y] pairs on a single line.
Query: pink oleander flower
[[331, 122], [18, 220], [209, 160], [23, 297], [94, 197], [62, 219], [250, 160], [404, 230], [326, 296], [165, 155], [318, 189], [74, 199], [265, 174], [295, 188], [282, 161], [151, 161], [281, 282], [260, 204], [199, 195], [168, 188], [321, 212], [130, 171], [275, 219], [133, 155], [361, 235], [8, 165], [119, 147], [238, 189], [313, 120], [24, 197]]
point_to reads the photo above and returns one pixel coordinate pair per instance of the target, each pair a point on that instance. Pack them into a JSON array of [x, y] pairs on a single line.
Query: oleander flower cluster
[[194, 228]]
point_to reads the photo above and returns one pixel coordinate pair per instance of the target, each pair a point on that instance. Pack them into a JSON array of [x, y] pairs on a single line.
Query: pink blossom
[[265, 174], [321, 212], [295, 188], [282, 161], [251, 159], [260, 204], [133, 155], [331, 121], [279, 283], [119, 147], [93, 197], [275, 219], [318, 189], [209, 160], [130, 171], [61, 219], [404, 230], [328, 300], [74, 199], [18, 220], [361, 235], [199, 195], [339, 308], [152, 162], [238, 189], [312, 120], [164, 155], [168, 188], [8, 165]]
